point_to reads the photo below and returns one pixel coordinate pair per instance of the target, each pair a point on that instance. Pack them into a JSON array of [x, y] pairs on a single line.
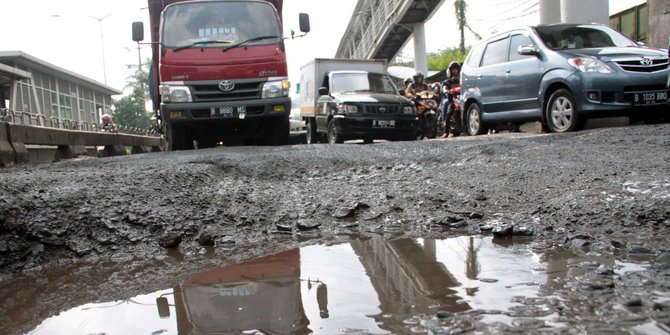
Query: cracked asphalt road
[[603, 191]]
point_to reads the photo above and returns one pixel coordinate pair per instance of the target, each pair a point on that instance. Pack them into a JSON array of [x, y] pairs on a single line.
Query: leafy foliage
[[130, 110], [441, 60]]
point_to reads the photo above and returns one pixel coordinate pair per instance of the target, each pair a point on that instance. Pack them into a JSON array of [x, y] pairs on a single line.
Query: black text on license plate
[[650, 98], [225, 112], [383, 124]]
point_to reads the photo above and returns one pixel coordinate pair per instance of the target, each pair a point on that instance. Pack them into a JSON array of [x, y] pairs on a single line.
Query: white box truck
[[344, 99]]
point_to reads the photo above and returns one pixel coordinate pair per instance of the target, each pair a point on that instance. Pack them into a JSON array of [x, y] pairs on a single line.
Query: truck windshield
[[562, 37], [362, 82], [224, 23]]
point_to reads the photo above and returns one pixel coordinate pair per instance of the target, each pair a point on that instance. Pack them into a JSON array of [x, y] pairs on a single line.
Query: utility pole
[[102, 45]]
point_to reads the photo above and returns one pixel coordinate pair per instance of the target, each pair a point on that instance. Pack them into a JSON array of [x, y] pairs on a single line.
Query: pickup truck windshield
[[563, 37], [225, 23], [362, 82]]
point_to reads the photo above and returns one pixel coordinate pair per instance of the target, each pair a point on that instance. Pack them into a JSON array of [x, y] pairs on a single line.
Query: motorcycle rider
[[453, 80], [417, 85]]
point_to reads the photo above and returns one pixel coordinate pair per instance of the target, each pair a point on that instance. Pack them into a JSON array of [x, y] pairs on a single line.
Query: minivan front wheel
[[561, 113], [474, 123]]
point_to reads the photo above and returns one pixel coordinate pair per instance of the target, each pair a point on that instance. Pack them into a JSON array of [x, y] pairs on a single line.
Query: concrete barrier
[[7, 154], [70, 143]]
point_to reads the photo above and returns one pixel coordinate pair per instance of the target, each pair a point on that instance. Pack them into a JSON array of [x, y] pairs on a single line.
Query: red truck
[[219, 71]]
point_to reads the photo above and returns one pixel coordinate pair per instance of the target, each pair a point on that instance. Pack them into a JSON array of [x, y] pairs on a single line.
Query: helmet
[[453, 65], [106, 118], [407, 81], [418, 75]]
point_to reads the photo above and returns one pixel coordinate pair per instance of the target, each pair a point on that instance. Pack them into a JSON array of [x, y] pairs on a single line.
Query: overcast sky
[[63, 33]]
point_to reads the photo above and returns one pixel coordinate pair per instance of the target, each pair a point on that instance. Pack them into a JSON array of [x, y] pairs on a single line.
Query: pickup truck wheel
[[561, 113], [333, 136], [177, 139], [312, 134]]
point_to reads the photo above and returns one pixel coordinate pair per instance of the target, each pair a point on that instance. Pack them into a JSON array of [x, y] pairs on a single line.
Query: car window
[[496, 52], [476, 55], [561, 37], [516, 42]]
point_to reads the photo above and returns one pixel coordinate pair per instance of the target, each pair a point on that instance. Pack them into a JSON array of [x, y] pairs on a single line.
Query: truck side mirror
[[323, 91], [304, 22], [138, 31], [163, 307]]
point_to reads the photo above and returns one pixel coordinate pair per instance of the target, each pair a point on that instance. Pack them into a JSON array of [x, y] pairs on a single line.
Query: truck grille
[[381, 109], [208, 91], [635, 65]]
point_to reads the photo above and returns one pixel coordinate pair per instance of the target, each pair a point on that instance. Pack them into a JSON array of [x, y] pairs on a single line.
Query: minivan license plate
[[383, 124], [650, 98]]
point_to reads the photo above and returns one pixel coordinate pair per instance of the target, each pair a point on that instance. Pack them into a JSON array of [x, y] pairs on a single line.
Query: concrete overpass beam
[[550, 11], [580, 11], [420, 54]]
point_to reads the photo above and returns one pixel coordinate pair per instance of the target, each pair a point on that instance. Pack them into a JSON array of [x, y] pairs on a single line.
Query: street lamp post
[[102, 45]]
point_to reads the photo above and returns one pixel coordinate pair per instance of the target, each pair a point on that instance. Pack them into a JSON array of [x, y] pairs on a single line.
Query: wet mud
[[603, 195]]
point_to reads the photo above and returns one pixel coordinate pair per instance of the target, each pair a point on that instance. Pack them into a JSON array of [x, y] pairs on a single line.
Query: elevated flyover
[[379, 29]]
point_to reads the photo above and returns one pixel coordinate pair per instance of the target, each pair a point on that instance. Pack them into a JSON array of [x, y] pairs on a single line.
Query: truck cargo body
[[219, 72], [344, 99]]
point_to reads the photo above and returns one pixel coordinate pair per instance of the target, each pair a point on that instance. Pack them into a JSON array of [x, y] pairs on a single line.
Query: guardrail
[[70, 138]]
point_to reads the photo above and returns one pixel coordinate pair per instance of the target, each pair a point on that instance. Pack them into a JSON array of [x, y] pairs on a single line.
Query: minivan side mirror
[[138, 31], [323, 91], [304, 22], [528, 50]]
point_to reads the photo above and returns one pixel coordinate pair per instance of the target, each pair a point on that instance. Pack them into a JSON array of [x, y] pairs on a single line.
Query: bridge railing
[[20, 130]]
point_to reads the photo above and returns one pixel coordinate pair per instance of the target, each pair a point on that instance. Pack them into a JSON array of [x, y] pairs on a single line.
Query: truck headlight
[[347, 109], [409, 110], [590, 65], [276, 89], [175, 94]]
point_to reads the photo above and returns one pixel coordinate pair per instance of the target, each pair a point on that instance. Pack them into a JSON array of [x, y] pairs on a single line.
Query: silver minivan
[[561, 75]]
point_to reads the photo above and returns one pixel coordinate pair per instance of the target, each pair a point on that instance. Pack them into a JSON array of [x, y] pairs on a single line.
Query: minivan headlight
[[175, 94], [276, 89], [590, 65]]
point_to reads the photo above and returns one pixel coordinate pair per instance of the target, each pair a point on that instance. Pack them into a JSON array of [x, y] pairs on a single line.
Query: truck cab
[[219, 71]]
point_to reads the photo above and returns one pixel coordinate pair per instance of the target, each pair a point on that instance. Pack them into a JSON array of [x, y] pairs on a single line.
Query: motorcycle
[[455, 122], [427, 113]]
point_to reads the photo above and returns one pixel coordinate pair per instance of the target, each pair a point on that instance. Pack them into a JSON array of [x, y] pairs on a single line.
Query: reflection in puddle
[[372, 285]]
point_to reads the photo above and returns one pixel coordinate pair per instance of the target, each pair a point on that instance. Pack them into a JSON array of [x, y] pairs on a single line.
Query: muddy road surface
[[100, 230]]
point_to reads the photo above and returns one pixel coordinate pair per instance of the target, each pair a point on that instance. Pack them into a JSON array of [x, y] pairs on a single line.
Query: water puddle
[[367, 286]]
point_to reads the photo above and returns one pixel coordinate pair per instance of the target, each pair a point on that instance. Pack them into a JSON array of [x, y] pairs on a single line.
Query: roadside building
[[40, 93], [647, 22]]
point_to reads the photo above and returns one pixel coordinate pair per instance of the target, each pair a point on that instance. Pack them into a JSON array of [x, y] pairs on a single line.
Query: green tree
[[440, 61], [130, 110], [460, 7]]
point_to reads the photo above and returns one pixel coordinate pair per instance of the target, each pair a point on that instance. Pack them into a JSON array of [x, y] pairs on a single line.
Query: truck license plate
[[383, 124], [224, 112], [650, 98]]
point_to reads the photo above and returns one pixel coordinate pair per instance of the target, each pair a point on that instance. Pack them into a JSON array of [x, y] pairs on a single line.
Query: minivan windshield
[[564, 37], [215, 24], [362, 82]]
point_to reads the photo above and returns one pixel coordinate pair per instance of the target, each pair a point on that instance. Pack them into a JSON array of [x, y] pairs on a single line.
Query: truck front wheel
[[312, 134], [177, 138], [278, 132]]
